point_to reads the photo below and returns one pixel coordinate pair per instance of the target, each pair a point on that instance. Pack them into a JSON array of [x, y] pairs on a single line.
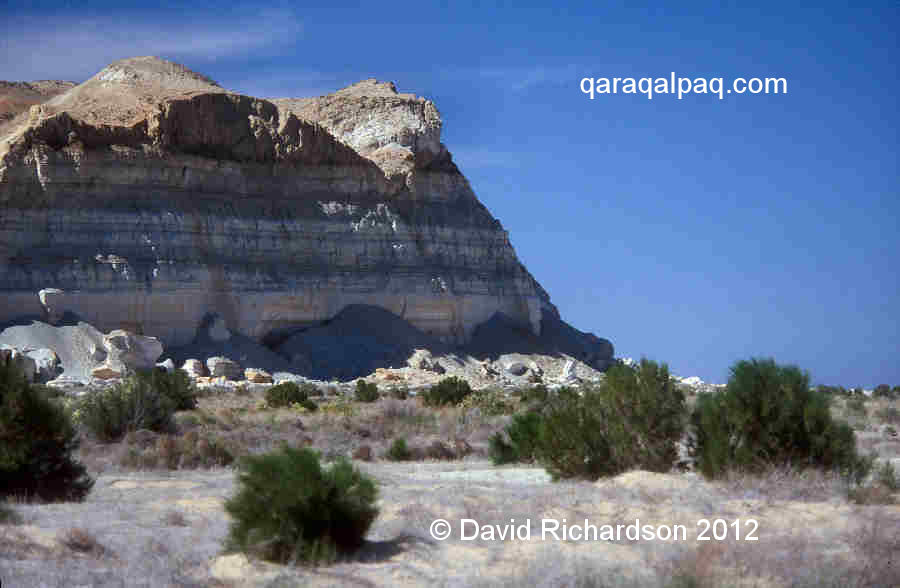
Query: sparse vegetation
[[631, 420], [888, 414], [175, 385], [37, 441], [189, 451], [8, 516], [887, 477], [365, 391], [399, 451], [399, 392], [289, 509], [80, 540], [519, 440], [886, 392], [767, 416], [857, 405], [131, 405], [449, 391], [490, 401], [287, 393]]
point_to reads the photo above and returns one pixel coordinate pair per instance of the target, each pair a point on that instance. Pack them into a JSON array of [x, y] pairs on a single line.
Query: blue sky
[[696, 231]]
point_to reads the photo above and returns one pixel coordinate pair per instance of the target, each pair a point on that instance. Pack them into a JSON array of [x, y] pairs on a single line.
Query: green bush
[[449, 391], [399, 392], [536, 395], [190, 451], [857, 405], [128, 406], [885, 391], [175, 385], [286, 394], [518, 442], [631, 420], [366, 392], [8, 516], [767, 415], [399, 451], [889, 414], [887, 477], [289, 509], [308, 404], [490, 401], [37, 439]]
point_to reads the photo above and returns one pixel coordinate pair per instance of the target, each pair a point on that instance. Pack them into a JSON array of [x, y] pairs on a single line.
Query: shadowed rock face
[[149, 196]]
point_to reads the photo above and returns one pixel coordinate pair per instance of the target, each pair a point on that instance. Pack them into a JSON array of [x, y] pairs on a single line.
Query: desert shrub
[[438, 450], [399, 393], [833, 390], [767, 415], [37, 439], [449, 391], [889, 414], [490, 401], [536, 395], [366, 392], [857, 405], [175, 385], [632, 419], [290, 509], [190, 451], [399, 451], [286, 394], [308, 405], [81, 540], [8, 516], [887, 477], [884, 391], [131, 405], [518, 441]]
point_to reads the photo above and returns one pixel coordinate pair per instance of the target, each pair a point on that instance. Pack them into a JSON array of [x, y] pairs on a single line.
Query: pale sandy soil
[[160, 529]]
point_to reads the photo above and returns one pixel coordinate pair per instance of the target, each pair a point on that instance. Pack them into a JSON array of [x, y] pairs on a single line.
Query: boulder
[[105, 372], [97, 353], [257, 376], [128, 351], [421, 359], [194, 368], [568, 374], [47, 296], [224, 367], [167, 365], [516, 368], [47, 364]]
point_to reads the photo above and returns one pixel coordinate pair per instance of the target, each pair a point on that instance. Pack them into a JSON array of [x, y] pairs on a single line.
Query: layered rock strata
[[149, 197]]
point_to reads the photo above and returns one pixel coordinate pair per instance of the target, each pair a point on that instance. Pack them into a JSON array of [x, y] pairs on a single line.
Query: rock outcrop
[[149, 197]]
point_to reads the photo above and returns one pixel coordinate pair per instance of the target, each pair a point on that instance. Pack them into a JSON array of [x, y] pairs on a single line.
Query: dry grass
[[81, 541], [175, 518]]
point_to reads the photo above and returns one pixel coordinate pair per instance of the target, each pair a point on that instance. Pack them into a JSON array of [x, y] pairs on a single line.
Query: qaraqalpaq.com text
[[682, 86]]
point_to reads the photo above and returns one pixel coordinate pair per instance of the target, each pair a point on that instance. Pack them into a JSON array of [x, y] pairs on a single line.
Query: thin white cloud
[[65, 47], [472, 158], [522, 78], [289, 83]]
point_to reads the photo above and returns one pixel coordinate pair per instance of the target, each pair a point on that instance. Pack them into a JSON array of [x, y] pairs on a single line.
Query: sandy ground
[[166, 529]]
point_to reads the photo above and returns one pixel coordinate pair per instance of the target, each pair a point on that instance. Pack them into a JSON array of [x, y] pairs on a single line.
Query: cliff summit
[[149, 198]]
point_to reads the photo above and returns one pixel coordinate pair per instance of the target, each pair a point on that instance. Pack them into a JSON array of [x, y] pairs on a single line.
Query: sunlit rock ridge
[[149, 196]]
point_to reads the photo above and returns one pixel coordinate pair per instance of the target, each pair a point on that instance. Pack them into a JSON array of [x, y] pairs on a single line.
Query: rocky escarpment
[[149, 197]]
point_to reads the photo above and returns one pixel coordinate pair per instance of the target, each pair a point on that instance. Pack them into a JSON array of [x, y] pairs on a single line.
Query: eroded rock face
[[149, 197]]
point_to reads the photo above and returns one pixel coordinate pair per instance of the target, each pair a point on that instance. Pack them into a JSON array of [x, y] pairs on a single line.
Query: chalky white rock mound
[[149, 197]]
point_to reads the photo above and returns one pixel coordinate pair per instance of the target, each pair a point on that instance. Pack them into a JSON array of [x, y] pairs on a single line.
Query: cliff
[[148, 197]]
